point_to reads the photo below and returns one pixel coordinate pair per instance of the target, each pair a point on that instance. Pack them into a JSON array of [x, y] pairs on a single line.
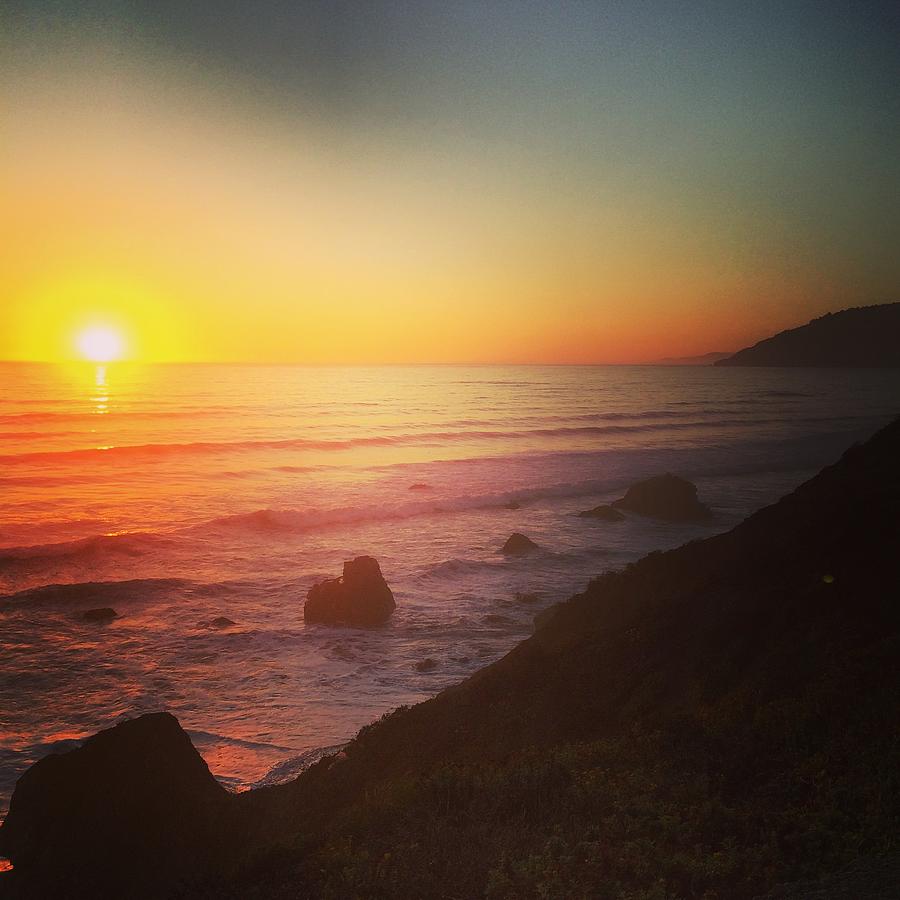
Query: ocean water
[[177, 494]]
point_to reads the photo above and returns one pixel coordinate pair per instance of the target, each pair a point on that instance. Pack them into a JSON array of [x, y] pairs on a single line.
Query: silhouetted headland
[[864, 337], [711, 721]]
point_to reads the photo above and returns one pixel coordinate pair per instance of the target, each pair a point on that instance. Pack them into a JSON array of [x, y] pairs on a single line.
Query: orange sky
[[205, 218]]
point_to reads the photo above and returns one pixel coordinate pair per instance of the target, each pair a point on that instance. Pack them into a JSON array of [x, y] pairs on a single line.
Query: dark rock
[[512, 505], [665, 497], [222, 622], [527, 598], [425, 665], [496, 619], [420, 486], [605, 513], [101, 614], [519, 545], [130, 813], [360, 596]]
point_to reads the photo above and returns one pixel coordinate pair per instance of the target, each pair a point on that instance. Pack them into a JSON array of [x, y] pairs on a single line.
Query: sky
[[442, 181]]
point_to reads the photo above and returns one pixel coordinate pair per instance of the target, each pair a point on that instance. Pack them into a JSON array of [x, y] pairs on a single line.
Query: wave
[[128, 544], [201, 447], [93, 593], [296, 520], [120, 414], [729, 458], [291, 768], [34, 435], [201, 739]]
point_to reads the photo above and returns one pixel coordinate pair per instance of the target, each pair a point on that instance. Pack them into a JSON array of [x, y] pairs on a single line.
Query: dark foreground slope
[[864, 337], [711, 722]]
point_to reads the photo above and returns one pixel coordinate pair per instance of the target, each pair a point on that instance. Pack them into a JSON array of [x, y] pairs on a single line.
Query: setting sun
[[99, 344]]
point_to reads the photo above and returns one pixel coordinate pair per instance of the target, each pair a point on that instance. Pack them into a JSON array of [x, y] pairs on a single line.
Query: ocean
[[177, 494]]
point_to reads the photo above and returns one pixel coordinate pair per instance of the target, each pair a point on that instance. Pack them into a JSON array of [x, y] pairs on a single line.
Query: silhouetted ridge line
[[864, 337]]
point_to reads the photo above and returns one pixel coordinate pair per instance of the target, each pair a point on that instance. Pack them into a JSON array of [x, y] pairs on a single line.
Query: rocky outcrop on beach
[[713, 720], [517, 544], [360, 596], [133, 812], [664, 497], [603, 513]]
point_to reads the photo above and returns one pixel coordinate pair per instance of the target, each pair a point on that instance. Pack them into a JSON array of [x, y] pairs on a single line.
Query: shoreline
[[630, 652]]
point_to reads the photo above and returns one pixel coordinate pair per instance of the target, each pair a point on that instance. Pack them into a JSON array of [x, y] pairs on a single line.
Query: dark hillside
[[864, 337]]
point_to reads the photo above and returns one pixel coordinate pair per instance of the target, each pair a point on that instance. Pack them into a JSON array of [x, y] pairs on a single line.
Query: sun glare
[[99, 344]]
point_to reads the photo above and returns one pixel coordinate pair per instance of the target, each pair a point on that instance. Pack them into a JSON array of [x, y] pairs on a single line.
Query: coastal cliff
[[711, 721], [864, 337]]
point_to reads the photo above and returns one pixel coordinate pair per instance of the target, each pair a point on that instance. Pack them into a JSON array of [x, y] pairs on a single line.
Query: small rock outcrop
[[101, 614], [426, 665], [130, 813], [604, 513], [518, 544], [665, 497], [360, 596], [420, 486], [222, 622]]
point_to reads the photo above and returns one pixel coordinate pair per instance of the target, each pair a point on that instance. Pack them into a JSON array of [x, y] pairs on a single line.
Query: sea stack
[[665, 497], [360, 596], [518, 544]]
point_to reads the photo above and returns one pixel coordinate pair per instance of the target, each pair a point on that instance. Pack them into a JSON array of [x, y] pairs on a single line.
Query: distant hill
[[706, 359], [865, 337]]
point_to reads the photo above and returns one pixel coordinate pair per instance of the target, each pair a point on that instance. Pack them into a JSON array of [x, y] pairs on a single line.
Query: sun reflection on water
[[100, 396]]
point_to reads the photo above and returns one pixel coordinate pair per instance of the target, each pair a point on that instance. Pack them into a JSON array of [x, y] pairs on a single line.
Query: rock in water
[[604, 513], [132, 812], [360, 596], [425, 665], [222, 622], [101, 614], [519, 545], [665, 497]]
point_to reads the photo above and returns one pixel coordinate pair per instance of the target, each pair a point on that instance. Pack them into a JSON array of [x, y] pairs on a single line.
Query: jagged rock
[[130, 813], [665, 497], [101, 614], [519, 545], [604, 512], [222, 622], [360, 596]]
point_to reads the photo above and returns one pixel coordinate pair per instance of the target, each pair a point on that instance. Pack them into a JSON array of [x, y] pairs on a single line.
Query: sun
[[99, 344]]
